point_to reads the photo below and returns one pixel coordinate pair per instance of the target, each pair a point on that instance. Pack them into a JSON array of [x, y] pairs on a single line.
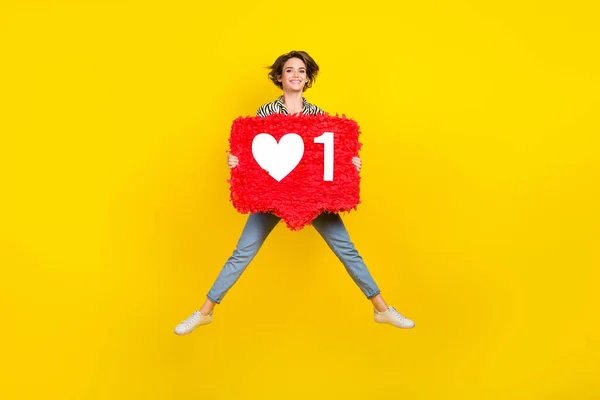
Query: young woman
[[293, 72]]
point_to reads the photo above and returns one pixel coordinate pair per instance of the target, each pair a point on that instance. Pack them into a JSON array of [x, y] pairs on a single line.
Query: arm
[[233, 161]]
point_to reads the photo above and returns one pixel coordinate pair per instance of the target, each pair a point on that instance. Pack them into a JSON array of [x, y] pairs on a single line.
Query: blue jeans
[[258, 226]]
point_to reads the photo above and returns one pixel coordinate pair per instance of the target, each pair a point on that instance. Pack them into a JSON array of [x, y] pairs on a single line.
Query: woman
[[293, 72]]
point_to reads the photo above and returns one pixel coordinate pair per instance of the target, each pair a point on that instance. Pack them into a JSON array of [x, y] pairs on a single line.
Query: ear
[[278, 78]]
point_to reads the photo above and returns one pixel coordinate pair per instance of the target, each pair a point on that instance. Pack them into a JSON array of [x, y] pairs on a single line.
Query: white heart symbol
[[278, 159]]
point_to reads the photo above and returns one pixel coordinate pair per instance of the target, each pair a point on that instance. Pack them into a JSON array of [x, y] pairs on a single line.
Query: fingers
[[232, 161], [357, 163]]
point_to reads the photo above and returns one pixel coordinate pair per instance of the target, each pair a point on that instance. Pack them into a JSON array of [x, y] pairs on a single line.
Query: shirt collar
[[284, 110]]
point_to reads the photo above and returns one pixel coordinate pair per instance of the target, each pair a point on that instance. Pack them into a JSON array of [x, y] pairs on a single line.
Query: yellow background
[[480, 216]]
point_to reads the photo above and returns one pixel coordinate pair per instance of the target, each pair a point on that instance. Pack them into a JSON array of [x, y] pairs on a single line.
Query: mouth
[[295, 81]]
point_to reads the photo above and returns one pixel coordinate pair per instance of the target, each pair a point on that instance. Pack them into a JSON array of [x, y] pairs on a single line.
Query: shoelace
[[190, 320], [397, 314]]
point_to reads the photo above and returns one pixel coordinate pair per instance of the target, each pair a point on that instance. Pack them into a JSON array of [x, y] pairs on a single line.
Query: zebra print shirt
[[278, 107]]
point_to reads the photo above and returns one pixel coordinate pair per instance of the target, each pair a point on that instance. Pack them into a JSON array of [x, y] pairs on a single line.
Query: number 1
[[327, 139]]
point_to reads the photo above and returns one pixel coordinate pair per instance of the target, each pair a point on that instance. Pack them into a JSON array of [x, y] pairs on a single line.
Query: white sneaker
[[393, 317], [192, 322]]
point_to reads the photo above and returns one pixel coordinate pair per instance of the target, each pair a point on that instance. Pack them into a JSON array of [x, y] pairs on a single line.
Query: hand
[[357, 163], [232, 161]]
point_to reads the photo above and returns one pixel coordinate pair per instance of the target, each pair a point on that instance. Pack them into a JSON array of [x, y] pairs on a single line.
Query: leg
[[378, 303], [332, 229], [258, 226]]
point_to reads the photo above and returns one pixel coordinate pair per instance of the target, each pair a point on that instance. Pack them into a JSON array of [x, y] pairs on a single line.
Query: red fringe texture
[[303, 194]]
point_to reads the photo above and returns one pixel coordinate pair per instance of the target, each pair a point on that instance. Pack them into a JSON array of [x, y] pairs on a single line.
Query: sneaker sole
[[401, 327]]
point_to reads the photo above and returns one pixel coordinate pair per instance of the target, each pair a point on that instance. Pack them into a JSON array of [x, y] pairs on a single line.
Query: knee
[[345, 247]]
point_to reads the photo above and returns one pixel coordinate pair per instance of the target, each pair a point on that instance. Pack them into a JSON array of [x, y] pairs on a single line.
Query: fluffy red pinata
[[303, 194]]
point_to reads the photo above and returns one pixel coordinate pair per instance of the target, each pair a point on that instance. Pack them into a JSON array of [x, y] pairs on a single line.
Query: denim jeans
[[258, 226]]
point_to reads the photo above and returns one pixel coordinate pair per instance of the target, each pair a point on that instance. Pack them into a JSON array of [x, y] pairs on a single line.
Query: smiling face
[[293, 75]]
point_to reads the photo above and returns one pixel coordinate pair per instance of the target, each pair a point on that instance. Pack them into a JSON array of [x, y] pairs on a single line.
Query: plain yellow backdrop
[[480, 214]]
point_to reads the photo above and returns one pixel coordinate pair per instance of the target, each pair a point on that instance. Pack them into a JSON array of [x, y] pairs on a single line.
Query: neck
[[293, 101]]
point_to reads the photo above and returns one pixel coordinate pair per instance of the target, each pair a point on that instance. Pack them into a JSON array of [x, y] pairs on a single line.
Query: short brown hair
[[312, 69]]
